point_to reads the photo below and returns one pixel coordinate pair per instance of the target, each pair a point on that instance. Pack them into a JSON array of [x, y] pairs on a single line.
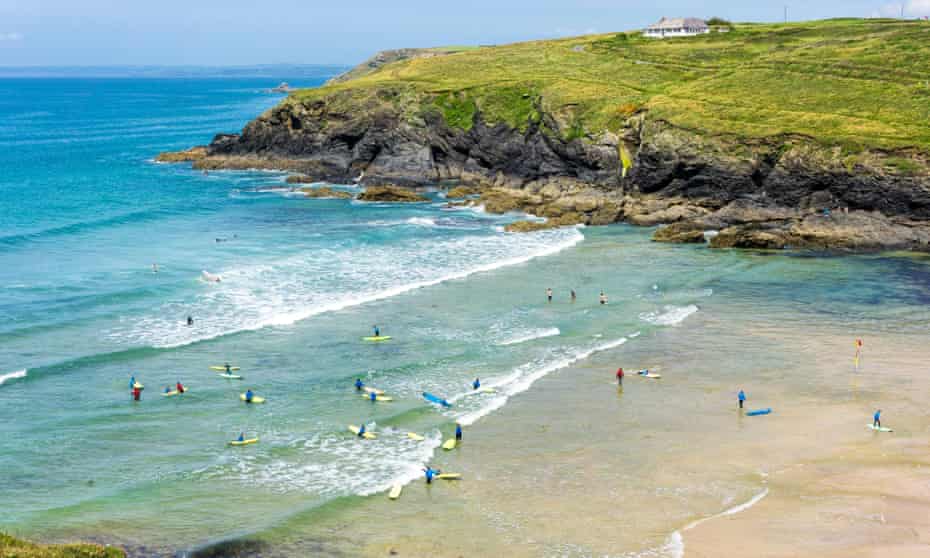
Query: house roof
[[678, 23]]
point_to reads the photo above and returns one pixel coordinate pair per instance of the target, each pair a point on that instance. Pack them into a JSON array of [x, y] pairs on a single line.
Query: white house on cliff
[[677, 27]]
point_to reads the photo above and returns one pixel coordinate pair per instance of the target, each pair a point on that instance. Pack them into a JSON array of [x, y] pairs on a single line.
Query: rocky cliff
[[736, 189]]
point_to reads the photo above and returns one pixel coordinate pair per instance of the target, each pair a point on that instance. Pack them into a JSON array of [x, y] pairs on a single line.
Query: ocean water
[[85, 213]]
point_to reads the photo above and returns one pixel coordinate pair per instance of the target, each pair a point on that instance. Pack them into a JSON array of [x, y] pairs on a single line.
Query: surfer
[[877, 419], [858, 352], [603, 298], [190, 321], [167, 389], [549, 294], [179, 386], [136, 393], [377, 331], [458, 432], [476, 384], [573, 295], [742, 398], [373, 396], [228, 368], [430, 473], [132, 382], [154, 268], [361, 431], [359, 384], [248, 395], [620, 377], [241, 437]]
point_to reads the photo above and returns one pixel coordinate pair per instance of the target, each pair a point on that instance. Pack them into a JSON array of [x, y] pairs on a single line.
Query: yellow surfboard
[[255, 398], [223, 368], [380, 398], [367, 435], [449, 476], [415, 437], [244, 442], [395, 491], [449, 444]]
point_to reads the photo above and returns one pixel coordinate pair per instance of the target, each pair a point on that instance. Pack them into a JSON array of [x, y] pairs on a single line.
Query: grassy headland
[[860, 84], [11, 547]]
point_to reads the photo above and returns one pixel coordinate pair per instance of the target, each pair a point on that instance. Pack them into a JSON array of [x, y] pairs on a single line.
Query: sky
[[344, 32]]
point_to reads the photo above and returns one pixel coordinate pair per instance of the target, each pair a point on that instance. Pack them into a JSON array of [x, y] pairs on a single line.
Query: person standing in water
[[132, 382], [373, 396], [549, 294], [742, 398], [458, 432], [361, 431], [377, 331], [249, 395], [154, 268], [241, 437], [228, 368], [430, 473], [190, 321], [877, 419], [359, 384], [573, 295], [603, 298], [620, 377], [179, 387], [476, 384], [136, 393]]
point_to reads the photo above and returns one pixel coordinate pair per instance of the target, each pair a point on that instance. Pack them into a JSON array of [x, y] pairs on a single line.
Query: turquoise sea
[[85, 213]]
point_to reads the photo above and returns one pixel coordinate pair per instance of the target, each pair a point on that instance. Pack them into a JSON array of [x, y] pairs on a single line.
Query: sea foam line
[[671, 315], [12, 376], [676, 544], [290, 318], [534, 334], [521, 380]]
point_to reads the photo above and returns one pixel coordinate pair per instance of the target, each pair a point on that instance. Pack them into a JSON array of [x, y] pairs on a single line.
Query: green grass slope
[[860, 84]]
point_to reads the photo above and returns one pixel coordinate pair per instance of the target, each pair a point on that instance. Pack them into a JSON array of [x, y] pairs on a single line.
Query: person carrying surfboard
[[620, 376], [476, 384], [742, 398], [359, 384], [877, 419]]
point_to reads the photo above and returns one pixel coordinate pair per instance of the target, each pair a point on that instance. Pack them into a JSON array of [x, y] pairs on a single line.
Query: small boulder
[[390, 194], [300, 179], [684, 233], [460, 192], [327, 193], [186, 156]]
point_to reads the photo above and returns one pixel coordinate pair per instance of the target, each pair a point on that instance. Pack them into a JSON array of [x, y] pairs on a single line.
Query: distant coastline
[[271, 71]]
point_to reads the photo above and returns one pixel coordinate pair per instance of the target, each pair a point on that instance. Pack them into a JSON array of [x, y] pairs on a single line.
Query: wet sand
[[575, 467]]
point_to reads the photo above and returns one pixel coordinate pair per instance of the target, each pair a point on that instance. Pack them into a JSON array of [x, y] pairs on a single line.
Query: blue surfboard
[[437, 400], [759, 412]]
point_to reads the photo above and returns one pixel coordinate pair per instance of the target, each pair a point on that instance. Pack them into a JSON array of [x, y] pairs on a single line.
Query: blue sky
[[239, 32]]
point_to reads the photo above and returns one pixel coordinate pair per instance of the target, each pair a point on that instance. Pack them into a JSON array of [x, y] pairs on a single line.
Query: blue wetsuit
[[248, 396], [241, 437], [132, 382], [458, 432], [476, 384], [877, 419], [359, 385], [430, 473], [742, 398], [373, 396], [361, 431]]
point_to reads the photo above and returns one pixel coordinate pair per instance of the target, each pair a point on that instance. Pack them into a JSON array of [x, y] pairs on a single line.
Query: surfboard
[[379, 398], [759, 412], [375, 391], [173, 392], [368, 435], [376, 339], [244, 442], [486, 390], [450, 444], [449, 476], [438, 400], [415, 437], [879, 428], [395, 491], [223, 368], [137, 385], [255, 398], [230, 376]]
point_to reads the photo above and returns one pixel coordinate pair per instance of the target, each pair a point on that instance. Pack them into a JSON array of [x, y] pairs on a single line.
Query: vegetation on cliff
[[11, 547], [858, 84]]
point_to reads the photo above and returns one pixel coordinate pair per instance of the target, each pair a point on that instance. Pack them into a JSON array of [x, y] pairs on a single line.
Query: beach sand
[[575, 467]]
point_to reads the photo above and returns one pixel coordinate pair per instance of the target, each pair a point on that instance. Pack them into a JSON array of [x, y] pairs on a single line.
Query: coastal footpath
[[812, 135]]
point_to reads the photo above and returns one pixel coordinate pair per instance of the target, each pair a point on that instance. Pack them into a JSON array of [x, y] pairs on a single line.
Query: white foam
[[283, 292], [670, 315], [421, 221], [526, 375], [12, 376], [675, 545], [531, 335]]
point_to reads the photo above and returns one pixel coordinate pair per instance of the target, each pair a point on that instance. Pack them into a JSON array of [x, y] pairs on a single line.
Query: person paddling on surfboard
[[476, 384], [877, 419], [359, 384], [620, 377], [742, 398], [248, 396], [167, 389]]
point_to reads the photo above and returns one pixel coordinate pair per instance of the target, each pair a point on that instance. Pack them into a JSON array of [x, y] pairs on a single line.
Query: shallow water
[[84, 213]]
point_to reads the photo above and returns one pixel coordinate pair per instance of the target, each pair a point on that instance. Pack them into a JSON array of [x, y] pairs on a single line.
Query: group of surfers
[[602, 298]]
